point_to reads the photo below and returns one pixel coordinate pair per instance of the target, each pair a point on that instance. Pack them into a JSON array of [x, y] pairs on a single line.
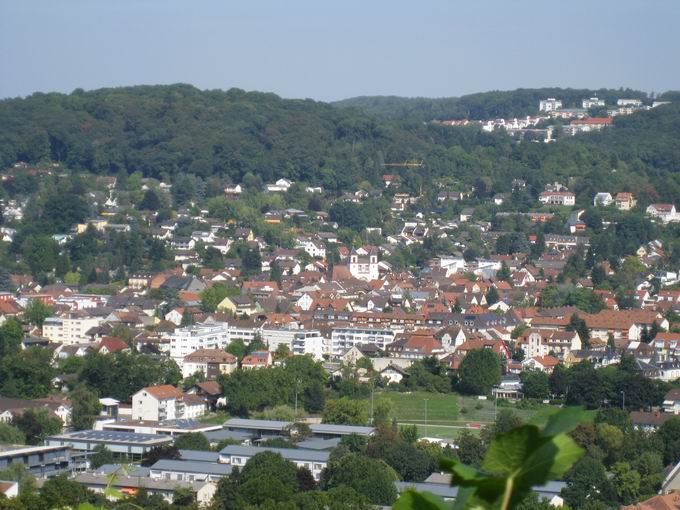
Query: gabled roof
[[112, 344], [163, 392], [211, 388], [210, 356]]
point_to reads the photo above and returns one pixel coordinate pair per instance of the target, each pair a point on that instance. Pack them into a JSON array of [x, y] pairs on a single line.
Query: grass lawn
[[218, 418], [442, 408], [450, 413]]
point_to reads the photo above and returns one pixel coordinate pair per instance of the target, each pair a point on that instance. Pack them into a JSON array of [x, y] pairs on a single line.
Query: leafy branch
[[111, 492], [516, 461]]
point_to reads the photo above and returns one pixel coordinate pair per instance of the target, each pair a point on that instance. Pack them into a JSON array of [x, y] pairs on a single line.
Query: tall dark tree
[[479, 371]]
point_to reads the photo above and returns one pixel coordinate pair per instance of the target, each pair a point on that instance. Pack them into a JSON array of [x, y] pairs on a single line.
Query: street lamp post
[[426, 417], [372, 393]]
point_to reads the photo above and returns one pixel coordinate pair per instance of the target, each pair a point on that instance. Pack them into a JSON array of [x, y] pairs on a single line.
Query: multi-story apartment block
[[70, 328], [185, 341], [541, 342], [549, 105], [347, 337], [299, 341], [160, 403], [211, 362], [593, 102]]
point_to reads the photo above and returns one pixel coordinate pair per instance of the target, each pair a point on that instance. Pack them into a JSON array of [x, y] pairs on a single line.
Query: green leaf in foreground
[[516, 461], [423, 500]]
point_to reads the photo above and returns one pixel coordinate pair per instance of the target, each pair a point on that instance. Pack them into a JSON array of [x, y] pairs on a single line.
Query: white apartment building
[[593, 102], [549, 105], [70, 328], [185, 341], [629, 102], [541, 342], [299, 341], [242, 333], [158, 403], [346, 338], [557, 198]]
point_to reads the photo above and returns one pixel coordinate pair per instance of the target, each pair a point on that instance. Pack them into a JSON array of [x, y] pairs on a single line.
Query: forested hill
[[166, 131], [162, 130], [479, 106]]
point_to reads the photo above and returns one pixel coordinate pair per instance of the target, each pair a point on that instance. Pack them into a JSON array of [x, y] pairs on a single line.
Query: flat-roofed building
[[43, 461], [121, 444], [166, 428], [343, 338], [189, 470], [315, 461], [263, 428], [202, 491]]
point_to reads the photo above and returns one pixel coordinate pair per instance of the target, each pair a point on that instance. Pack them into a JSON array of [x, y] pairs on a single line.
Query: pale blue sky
[[333, 50]]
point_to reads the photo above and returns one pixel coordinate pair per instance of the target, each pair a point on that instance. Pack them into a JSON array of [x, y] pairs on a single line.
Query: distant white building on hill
[[549, 105]]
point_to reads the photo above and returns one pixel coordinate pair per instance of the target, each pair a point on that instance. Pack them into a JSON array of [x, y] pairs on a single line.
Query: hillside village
[[165, 304], [593, 114]]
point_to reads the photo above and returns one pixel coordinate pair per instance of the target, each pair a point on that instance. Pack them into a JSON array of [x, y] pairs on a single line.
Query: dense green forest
[[480, 106], [250, 137]]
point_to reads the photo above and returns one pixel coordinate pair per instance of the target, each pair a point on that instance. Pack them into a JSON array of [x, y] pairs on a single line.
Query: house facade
[[160, 403]]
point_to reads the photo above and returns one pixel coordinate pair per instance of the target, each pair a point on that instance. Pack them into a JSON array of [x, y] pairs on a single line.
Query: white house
[[233, 190], [211, 362], [282, 185], [566, 198], [159, 403], [312, 247], [452, 264], [9, 488], [665, 212], [603, 199], [394, 374]]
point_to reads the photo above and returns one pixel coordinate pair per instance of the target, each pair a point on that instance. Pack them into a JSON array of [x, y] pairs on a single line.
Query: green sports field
[[450, 413]]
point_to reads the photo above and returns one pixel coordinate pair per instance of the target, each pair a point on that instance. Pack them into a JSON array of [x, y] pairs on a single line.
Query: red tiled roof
[[210, 387], [112, 344], [163, 392], [547, 361], [593, 120]]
